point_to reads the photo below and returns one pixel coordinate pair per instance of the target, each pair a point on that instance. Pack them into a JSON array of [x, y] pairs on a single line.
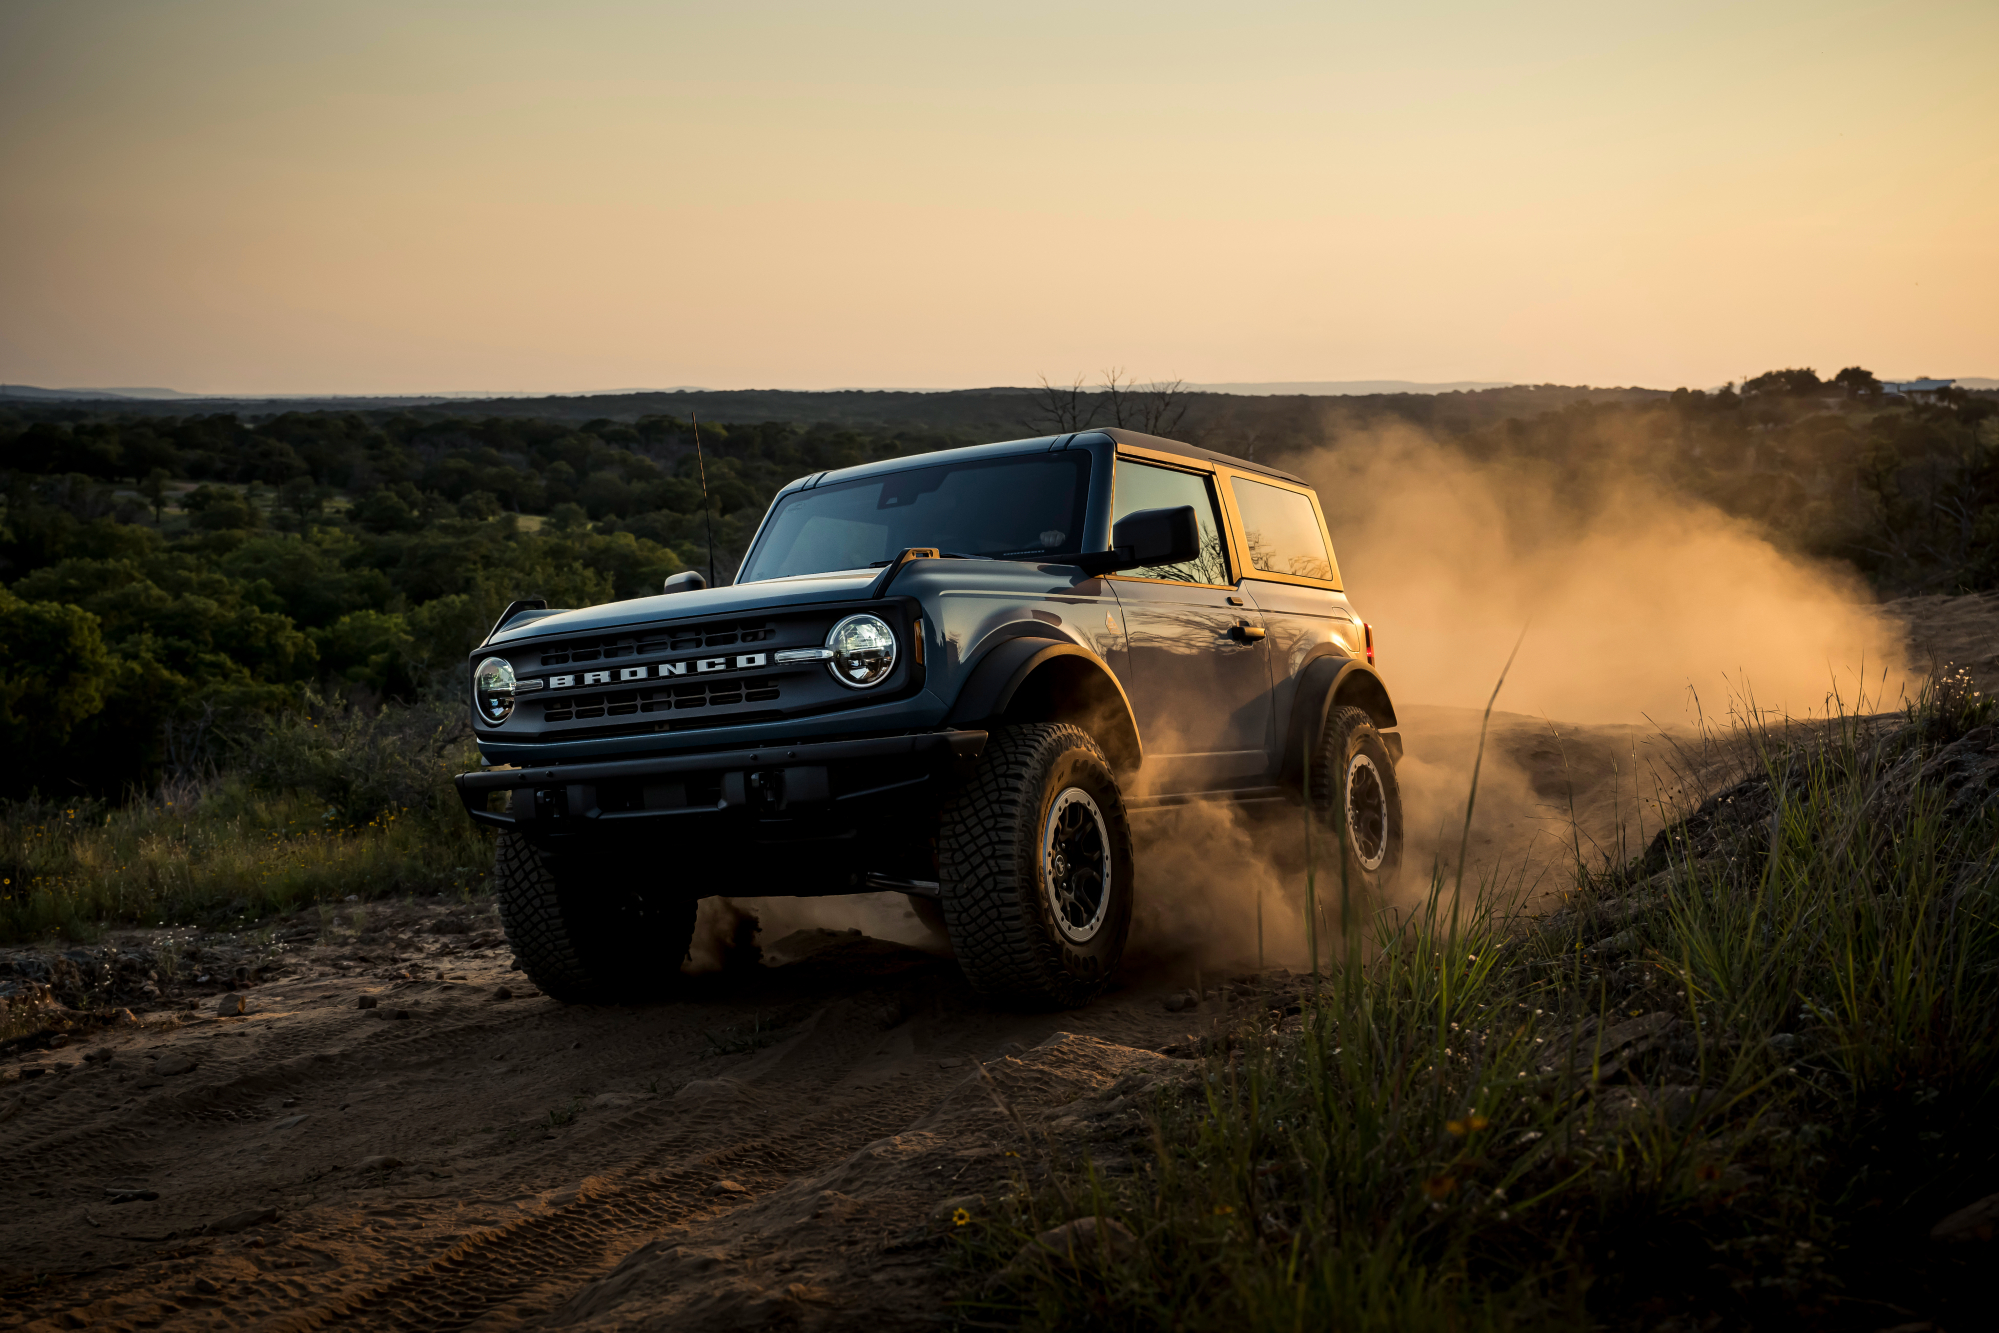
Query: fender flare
[[1326, 681], [1008, 669]]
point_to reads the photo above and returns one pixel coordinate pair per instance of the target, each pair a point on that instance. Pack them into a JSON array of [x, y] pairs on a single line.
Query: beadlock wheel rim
[[1367, 812], [1076, 865]]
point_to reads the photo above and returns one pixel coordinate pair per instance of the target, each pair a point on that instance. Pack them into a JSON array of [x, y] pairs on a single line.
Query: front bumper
[[782, 791]]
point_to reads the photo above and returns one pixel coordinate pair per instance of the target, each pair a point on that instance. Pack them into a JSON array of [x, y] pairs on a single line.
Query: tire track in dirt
[[590, 1236], [241, 1100], [439, 1249], [613, 1216]]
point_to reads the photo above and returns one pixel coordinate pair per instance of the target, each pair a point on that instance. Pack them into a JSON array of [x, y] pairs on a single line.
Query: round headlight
[[863, 651], [493, 690]]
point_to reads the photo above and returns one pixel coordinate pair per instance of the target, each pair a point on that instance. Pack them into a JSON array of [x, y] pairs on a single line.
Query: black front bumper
[[783, 791]]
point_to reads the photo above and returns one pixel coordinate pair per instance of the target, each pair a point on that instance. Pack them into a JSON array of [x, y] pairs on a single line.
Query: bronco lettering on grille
[[656, 670]]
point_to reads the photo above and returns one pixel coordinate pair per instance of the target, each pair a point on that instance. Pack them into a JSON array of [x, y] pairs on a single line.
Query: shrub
[[316, 806]]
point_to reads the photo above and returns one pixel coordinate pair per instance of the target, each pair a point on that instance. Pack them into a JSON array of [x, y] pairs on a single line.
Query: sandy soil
[[787, 1145], [772, 1146]]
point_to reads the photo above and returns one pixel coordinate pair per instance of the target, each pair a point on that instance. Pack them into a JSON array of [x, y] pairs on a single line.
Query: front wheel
[[584, 929], [1035, 866], [1356, 796]]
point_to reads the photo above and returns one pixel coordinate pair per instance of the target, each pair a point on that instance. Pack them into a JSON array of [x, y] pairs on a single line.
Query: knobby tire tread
[[567, 939], [1330, 760], [530, 903], [980, 849]]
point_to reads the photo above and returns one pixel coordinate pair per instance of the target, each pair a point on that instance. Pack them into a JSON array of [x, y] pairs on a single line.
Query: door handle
[[1245, 633]]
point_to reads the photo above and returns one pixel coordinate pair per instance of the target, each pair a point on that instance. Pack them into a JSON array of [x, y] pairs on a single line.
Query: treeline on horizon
[[165, 579]]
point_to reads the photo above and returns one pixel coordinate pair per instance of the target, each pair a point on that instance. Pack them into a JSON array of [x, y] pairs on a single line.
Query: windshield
[[1017, 508]]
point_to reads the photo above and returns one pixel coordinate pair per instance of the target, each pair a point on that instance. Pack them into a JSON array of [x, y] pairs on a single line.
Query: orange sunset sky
[[397, 197]]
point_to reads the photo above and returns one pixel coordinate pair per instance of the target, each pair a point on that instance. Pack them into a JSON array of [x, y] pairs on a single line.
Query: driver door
[[1199, 681]]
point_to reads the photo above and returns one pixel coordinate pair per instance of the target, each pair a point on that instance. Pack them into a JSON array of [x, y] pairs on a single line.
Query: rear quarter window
[[1282, 530]]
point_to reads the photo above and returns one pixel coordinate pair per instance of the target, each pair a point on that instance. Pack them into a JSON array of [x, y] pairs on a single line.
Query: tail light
[[1367, 632]]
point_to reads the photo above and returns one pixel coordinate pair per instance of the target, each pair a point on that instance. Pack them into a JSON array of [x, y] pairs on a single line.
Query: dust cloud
[[735, 932], [1222, 888], [1635, 600]]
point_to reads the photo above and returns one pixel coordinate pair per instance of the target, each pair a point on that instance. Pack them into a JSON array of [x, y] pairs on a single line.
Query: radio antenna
[[707, 510]]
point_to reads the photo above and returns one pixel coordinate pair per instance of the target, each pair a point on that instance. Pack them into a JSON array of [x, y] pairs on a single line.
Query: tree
[[221, 509], [1798, 382], [1156, 408], [154, 488], [383, 510], [1161, 406], [54, 671], [1858, 382], [1062, 406], [302, 496]]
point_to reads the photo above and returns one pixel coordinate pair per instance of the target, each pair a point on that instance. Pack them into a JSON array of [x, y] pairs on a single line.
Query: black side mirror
[[1148, 537], [687, 580]]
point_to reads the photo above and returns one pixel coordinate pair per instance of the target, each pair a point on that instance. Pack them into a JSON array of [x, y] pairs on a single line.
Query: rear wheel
[[1356, 796], [582, 931], [1035, 864]]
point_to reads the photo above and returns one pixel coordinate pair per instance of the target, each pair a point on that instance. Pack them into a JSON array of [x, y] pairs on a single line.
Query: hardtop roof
[[1113, 434], [1139, 440]]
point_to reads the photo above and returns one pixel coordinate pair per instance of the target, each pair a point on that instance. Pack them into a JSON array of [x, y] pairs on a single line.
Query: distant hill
[[1344, 388], [1257, 388], [71, 395]]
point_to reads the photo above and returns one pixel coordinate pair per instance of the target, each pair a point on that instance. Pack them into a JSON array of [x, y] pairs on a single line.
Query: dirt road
[[788, 1144], [772, 1144]]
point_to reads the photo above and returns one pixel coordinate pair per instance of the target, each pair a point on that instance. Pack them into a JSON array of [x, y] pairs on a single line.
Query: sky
[[365, 197]]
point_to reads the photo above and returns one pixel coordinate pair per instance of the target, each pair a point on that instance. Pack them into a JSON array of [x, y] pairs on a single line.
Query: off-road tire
[[1362, 818], [991, 851], [582, 933]]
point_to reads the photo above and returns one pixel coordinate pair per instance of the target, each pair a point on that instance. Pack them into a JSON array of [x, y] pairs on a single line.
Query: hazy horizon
[[228, 197], [1326, 388]]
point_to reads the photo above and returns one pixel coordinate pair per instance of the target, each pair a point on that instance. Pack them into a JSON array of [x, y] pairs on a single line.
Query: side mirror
[[1148, 537], [687, 580]]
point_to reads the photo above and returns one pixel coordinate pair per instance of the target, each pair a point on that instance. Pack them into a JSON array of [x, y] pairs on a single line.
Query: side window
[[1281, 530], [1143, 486]]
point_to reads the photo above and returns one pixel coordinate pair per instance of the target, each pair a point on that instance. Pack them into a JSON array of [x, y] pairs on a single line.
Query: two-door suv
[[954, 675]]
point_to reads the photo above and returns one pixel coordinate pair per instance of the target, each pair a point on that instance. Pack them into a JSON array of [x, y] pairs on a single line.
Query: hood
[[701, 603]]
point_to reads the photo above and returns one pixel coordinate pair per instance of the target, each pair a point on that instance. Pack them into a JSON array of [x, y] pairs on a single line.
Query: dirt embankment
[[789, 1143], [1959, 631]]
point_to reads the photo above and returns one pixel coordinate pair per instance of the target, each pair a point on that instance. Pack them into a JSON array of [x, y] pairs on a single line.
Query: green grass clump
[[311, 807], [1733, 1082]]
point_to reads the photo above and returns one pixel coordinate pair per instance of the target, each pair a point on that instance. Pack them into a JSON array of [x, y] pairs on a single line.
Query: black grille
[[662, 698], [705, 693], [674, 639]]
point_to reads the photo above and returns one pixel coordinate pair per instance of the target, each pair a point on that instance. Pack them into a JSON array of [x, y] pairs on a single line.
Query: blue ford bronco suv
[[954, 675]]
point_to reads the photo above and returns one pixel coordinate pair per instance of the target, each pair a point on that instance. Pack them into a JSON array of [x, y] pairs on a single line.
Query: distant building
[[1918, 391]]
